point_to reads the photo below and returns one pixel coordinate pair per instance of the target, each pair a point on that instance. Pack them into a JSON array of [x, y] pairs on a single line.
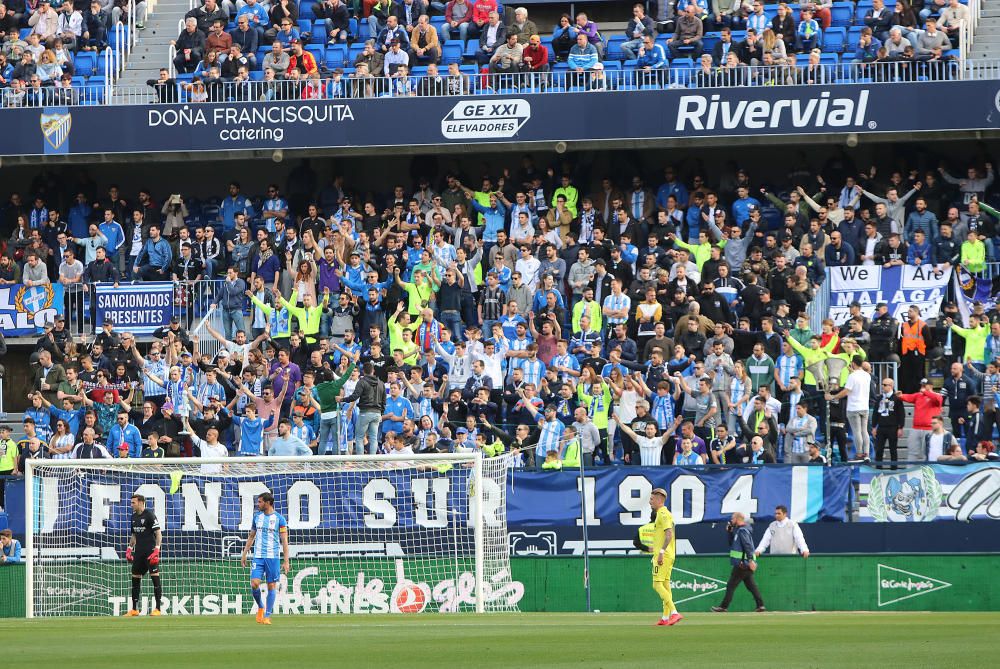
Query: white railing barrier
[[108, 75], [171, 54]]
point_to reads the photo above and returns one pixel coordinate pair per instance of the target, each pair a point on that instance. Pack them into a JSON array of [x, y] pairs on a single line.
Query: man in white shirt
[[938, 440], [857, 391], [209, 447], [783, 536], [528, 266]]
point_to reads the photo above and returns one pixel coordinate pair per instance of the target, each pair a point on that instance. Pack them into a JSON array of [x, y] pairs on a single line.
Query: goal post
[[367, 534]]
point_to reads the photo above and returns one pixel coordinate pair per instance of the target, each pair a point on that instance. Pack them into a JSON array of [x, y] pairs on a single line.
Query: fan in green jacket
[[813, 353], [597, 403], [973, 254], [975, 338], [329, 406], [308, 315], [700, 252], [848, 349], [279, 319]]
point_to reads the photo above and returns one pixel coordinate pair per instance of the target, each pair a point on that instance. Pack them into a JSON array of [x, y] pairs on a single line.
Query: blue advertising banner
[[931, 492], [619, 495], [24, 310], [899, 287], [139, 308], [586, 116]]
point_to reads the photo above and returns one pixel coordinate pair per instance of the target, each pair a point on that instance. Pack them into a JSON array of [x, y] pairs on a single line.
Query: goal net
[[367, 534]]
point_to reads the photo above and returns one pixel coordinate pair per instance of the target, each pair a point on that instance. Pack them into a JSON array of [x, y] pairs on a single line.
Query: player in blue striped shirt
[[268, 536]]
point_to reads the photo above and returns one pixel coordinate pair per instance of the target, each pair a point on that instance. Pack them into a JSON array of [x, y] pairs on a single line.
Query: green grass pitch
[[511, 641]]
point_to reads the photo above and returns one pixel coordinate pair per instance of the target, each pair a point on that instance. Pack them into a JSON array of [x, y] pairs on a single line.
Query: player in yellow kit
[[664, 550]]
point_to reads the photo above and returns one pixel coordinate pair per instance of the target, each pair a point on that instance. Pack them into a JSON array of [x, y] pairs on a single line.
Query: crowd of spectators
[[523, 309], [253, 51], [40, 40]]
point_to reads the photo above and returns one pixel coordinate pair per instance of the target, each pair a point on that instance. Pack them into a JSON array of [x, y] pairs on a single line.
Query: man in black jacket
[[370, 395], [190, 45], [334, 13], [888, 420], [741, 556]]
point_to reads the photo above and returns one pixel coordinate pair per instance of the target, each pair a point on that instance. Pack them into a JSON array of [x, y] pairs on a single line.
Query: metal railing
[[190, 305], [201, 87]]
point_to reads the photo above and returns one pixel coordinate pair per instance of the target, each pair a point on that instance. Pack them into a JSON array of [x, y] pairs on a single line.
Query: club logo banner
[[24, 310], [899, 287], [930, 492]]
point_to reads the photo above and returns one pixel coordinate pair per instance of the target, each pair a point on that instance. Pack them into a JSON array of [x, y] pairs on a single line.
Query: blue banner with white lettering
[[139, 308], [620, 495], [899, 286], [970, 491], [603, 116], [24, 310]]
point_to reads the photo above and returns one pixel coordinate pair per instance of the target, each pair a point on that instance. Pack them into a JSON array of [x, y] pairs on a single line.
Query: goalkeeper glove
[[154, 557], [128, 553]]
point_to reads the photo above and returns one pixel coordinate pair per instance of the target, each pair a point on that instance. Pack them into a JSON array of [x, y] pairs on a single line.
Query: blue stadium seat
[[95, 88], [306, 10], [470, 48], [318, 51], [709, 40], [24, 32], [679, 63], [438, 22], [613, 48], [304, 26], [833, 40], [860, 10], [257, 75], [842, 14], [319, 32], [113, 38], [853, 37], [352, 29], [355, 51], [85, 63], [418, 70], [451, 53], [829, 59], [336, 54]]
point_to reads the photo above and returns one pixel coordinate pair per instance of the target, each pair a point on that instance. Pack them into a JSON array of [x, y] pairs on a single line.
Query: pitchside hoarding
[[590, 116], [932, 582]]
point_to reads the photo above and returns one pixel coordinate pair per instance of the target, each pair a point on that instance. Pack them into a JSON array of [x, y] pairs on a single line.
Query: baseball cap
[[550, 407], [223, 354], [174, 319], [462, 430], [60, 318], [778, 303], [659, 491], [294, 40], [185, 354], [925, 382], [752, 207]]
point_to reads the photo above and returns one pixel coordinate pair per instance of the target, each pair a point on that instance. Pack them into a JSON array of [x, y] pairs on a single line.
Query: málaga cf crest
[[55, 128]]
